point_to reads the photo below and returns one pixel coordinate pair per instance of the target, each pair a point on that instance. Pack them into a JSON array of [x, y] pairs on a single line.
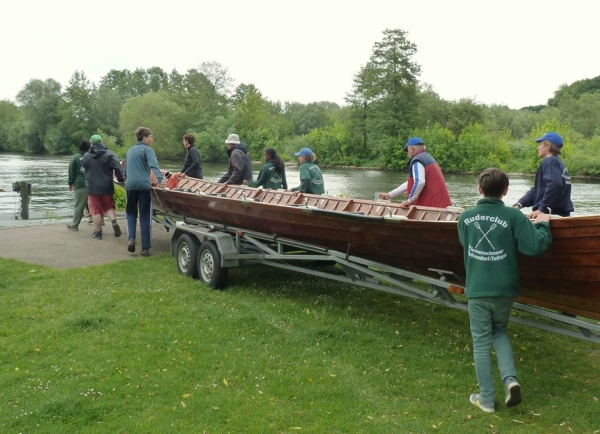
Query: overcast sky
[[496, 52]]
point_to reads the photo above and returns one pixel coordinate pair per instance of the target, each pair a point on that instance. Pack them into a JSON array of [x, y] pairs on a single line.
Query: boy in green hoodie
[[492, 235]]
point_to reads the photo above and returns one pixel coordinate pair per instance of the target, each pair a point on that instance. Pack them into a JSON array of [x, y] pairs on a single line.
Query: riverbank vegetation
[[135, 347], [386, 104]]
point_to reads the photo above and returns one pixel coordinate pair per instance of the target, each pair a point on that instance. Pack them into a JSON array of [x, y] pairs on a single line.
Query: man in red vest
[[426, 185]]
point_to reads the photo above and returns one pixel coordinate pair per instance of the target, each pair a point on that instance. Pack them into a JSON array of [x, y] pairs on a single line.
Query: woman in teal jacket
[[272, 173]]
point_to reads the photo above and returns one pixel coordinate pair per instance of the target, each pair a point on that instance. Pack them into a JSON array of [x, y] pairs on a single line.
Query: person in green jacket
[[77, 184], [311, 178], [492, 236], [272, 173]]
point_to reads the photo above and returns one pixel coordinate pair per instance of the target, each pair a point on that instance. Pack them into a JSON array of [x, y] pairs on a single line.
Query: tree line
[[386, 104]]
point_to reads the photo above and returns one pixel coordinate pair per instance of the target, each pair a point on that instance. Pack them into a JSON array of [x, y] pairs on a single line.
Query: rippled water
[[51, 196]]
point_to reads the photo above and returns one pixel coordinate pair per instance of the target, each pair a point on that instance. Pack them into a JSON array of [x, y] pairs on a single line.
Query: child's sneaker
[[97, 235], [513, 392], [488, 407]]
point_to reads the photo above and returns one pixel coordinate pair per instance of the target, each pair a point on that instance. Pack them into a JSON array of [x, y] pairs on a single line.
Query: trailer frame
[[208, 250]]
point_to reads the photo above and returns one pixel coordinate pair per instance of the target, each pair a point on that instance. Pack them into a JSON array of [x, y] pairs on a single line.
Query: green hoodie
[[77, 171], [492, 235]]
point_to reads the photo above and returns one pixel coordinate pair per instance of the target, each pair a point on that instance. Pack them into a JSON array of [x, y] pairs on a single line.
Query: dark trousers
[[143, 200]]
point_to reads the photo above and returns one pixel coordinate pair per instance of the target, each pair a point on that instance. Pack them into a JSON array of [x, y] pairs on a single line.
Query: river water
[[51, 196]]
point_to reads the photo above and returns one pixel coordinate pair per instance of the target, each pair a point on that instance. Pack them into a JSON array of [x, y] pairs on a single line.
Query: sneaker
[[513, 392], [97, 235], [488, 407], [90, 220], [131, 246], [72, 228], [117, 229], [145, 252]]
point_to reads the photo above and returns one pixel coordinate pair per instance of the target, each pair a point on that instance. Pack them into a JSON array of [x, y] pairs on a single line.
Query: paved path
[[50, 243]]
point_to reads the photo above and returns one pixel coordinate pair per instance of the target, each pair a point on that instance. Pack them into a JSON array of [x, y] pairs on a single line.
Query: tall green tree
[[77, 114], [9, 116], [385, 91], [39, 102], [159, 113]]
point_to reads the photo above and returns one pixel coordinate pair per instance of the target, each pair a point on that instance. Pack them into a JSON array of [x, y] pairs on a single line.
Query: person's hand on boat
[[384, 196], [405, 204], [245, 182], [542, 218], [533, 215]]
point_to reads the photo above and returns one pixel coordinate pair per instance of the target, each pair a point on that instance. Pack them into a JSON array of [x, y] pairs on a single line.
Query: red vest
[[435, 193]]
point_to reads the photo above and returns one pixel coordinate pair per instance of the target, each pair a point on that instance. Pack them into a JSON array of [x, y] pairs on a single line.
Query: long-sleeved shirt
[[492, 234], [426, 185], [269, 178], [311, 179], [551, 189], [192, 166], [240, 166], [77, 171], [140, 160], [101, 166]]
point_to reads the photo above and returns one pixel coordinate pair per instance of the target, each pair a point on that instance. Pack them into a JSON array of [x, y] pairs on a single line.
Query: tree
[[39, 101], [252, 117], [77, 113], [159, 113], [218, 76], [9, 116], [307, 117], [107, 107], [385, 91]]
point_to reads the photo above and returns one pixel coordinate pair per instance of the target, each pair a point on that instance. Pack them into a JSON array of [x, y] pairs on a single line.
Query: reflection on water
[[51, 196]]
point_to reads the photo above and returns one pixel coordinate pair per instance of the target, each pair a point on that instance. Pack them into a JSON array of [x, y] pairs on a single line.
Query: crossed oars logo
[[485, 234]]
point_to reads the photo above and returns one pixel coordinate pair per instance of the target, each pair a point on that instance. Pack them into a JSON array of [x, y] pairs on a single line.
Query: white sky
[[498, 52]]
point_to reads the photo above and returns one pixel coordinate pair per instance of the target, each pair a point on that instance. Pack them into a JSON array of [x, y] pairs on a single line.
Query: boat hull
[[566, 278]]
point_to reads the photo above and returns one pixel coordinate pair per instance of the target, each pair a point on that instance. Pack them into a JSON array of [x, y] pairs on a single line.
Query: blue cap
[[305, 152], [414, 141], [551, 137]]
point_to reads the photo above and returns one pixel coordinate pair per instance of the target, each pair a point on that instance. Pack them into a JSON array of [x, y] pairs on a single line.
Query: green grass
[[134, 347]]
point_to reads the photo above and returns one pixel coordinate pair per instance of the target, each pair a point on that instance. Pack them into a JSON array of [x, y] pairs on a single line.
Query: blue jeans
[[141, 199], [489, 319]]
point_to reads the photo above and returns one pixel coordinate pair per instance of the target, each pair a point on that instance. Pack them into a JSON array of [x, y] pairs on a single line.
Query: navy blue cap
[[305, 152], [551, 137], [414, 141]]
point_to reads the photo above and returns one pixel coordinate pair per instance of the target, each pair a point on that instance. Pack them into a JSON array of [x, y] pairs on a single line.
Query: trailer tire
[[187, 254], [209, 266]]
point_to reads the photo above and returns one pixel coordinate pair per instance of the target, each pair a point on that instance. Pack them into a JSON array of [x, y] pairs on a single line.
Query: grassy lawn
[[134, 347]]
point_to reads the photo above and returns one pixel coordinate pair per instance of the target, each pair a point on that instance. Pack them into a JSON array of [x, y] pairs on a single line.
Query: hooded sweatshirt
[[240, 165], [100, 164]]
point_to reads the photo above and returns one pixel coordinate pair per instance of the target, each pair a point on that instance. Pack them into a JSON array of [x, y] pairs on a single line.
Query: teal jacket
[[269, 178], [77, 171], [140, 160], [492, 235], [311, 179]]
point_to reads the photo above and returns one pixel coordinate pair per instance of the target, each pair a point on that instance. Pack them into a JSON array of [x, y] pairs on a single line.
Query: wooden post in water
[[24, 188]]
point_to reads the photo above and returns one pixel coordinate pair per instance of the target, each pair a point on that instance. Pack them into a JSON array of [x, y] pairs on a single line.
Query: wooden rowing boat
[[418, 239]]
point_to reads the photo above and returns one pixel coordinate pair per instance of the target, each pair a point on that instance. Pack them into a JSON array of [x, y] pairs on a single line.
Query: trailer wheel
[[187, 254], [209, 266]]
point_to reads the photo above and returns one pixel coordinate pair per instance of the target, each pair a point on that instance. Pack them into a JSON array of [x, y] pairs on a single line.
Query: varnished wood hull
[[566, 278]]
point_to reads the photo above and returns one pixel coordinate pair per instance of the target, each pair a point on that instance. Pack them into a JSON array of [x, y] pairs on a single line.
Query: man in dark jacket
[[192, 166], [551, 193], [240, 164], [100, 164]]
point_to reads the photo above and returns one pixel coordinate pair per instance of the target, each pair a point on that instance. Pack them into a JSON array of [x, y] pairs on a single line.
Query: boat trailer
[[207, 251]]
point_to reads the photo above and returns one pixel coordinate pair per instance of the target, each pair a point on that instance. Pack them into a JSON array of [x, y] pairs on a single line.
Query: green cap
[[96, 138]]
